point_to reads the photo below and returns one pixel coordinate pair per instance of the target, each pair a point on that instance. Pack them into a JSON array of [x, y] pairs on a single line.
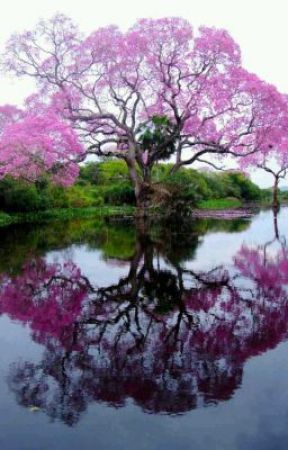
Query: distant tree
[[273, 157]]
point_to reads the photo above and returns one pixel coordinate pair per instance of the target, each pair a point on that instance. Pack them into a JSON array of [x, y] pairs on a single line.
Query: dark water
[[118, 337]]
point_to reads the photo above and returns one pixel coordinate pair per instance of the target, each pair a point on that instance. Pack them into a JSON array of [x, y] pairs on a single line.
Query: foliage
[[193, 187], [5, 219], [103, 184], [108, 172], [20, 196], [118, 194], [158, 133], [220, 203], [232, 184]]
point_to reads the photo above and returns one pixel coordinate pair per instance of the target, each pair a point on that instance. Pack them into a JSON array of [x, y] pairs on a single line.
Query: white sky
[[259, 26]]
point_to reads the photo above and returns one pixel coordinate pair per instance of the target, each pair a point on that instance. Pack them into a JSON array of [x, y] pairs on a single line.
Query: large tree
[[157, 90]]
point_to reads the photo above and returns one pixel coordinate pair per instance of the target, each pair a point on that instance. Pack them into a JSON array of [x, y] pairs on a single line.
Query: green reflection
[[117, 239]]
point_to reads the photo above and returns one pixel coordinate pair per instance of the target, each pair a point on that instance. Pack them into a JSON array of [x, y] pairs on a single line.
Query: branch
[[212, 164]]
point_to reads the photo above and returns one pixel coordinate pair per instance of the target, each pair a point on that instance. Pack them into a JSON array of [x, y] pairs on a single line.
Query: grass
[[64, 214], [221, 203]]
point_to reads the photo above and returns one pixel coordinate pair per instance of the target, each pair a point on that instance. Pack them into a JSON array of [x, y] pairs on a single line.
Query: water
[[113, 336]]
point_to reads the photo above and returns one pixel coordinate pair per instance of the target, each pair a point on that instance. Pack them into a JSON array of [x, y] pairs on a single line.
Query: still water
[[114, 336]]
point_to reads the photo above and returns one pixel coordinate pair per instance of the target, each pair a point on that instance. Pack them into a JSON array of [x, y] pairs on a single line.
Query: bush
[[247, 189], [20, 196], [104, 173], [186, 184], [118, 194], [108, 183], [232, 184]]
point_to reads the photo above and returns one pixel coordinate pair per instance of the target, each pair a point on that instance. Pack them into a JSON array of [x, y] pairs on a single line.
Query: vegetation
[[184, 189], [104, 189], [222, 203]]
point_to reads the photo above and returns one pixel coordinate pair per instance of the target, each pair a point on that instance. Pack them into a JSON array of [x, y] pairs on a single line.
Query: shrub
[[20, 196], [119, 194]]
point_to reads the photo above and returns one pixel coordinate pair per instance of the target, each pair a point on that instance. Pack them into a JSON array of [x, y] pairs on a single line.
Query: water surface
[[172, 336]]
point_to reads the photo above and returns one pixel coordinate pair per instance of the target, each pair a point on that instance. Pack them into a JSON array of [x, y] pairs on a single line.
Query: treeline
[[107, 183]]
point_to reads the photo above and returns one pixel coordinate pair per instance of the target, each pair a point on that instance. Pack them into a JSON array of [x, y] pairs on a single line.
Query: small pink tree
[[279, 173], [157, 90], [272, 156]]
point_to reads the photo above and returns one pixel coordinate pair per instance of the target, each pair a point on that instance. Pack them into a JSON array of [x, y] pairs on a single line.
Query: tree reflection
[[169, 338]]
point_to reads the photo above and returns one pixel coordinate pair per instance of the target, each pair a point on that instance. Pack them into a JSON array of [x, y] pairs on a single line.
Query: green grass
[[221, 203], [64, 214]]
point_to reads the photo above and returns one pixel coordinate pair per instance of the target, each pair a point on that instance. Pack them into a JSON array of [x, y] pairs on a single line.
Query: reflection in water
[[170, 338]]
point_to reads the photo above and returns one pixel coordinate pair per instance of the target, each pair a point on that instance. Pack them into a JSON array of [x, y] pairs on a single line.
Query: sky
[[259, 26]]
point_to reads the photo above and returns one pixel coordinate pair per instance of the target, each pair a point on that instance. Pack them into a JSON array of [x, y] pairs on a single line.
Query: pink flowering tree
[[32, 144], [157, 90], [272, 156]]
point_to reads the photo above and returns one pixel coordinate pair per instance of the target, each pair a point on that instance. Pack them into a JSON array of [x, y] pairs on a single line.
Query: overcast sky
[[260, 27]]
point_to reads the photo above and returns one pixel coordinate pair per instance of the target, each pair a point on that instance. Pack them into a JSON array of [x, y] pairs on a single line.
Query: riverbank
[[218, 209], [229, 213]]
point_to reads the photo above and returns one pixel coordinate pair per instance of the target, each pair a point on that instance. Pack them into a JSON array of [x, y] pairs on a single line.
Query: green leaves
[[158, 137]]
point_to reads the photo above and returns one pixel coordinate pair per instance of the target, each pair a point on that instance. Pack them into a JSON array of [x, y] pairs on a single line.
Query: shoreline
[[229, 213], [124, 212], [7, 219]]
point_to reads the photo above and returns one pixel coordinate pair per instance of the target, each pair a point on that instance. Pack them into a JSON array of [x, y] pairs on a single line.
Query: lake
[[167, 336]]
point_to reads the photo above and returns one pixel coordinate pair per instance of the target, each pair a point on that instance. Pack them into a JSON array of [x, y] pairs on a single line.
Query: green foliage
[[187, 186], [282, 195], [157, 135], [20, 196], [5, 219], [118, 194], [110, 181], [232, 184], [89, 173], [107, 184], [104, 173], [83, 197], [203, 188], [221, 203]]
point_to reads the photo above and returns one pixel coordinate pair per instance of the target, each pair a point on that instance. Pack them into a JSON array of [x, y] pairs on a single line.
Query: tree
[[31, 144], [157, 90], [272, 156], [278, 174]]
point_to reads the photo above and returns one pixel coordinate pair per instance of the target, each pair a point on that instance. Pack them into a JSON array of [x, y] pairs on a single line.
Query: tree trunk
[[142, 189], [275, 203], [135, 179]]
